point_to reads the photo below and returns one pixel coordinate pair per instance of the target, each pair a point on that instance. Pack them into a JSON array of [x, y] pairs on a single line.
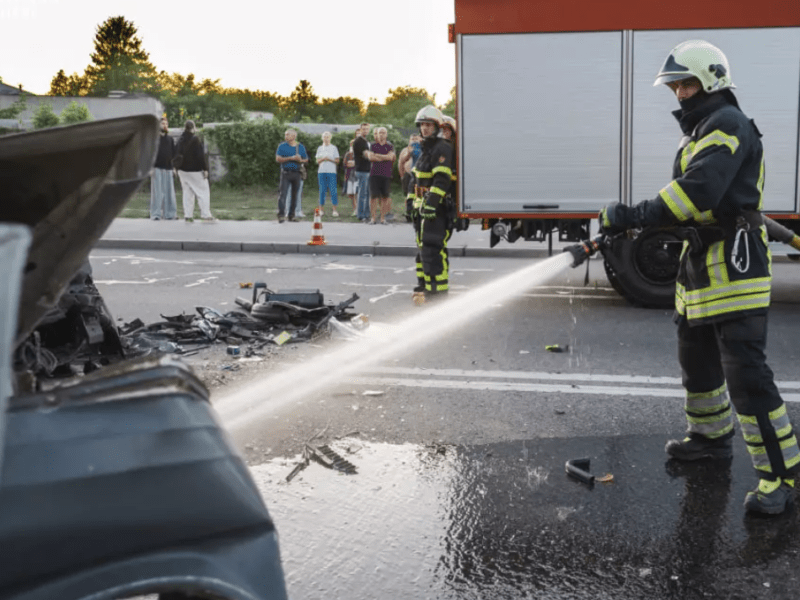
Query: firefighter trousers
[[433, 258], [724, 363]]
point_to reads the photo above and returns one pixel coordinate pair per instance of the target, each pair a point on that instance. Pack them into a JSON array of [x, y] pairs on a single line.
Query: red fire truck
[[558, 116]]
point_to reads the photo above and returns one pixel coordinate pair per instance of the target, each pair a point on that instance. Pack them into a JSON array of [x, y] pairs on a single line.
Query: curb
[[299, 248]]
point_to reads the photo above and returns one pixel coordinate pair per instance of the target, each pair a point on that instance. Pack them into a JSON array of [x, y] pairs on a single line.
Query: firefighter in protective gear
[[722, 291], [432, 206]]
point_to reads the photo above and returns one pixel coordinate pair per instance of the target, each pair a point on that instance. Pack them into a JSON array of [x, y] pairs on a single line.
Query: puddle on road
[[504, 521]]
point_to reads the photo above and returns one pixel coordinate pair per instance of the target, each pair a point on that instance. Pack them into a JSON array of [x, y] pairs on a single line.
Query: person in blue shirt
[[290, 155]]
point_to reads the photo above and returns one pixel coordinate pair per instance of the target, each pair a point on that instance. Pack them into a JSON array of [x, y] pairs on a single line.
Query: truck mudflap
[[126, 484], [643, 266]]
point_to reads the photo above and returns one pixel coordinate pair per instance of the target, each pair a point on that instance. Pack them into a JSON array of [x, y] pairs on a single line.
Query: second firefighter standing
[[432, 205]]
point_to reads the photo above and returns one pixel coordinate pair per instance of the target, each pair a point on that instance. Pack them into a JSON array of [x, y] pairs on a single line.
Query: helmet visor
[[670, 77]]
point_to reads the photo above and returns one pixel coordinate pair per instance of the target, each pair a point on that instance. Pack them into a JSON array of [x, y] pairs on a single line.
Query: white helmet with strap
[[429, 114], [449, 122], [697, 58]]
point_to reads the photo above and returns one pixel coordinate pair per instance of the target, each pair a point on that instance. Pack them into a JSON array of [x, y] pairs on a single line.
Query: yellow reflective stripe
[[707, 402], [443, 169], [437, 190], [760, 185], [723, 416], [678, 202], [686, 156], [738, 288], [706, 218], [453, 178], [717, 138], [715, 263], [729, 305], [417, 173]]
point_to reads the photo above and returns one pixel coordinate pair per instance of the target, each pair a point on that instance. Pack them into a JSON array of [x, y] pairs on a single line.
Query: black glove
[[616, 218], [429, 206]]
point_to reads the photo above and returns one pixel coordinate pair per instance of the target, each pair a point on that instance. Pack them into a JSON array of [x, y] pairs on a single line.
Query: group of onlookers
[[367, 174], [188, 161]]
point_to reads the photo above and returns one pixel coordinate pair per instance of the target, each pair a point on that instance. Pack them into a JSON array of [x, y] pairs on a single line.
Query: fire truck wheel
[[643, 269]]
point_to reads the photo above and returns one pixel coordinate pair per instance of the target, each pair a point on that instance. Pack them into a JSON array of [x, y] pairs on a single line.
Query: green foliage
[[74, 85], [302, 102], [208, 108], [400, 107], [75, 113], [15, 110], [44, 116], [249, 151], [119, 62]]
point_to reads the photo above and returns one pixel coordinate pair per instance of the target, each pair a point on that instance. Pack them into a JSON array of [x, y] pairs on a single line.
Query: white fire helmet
[[697, 58], [429, 114]]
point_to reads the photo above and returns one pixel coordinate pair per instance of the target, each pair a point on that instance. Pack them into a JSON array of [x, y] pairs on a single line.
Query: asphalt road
[[461, 439]]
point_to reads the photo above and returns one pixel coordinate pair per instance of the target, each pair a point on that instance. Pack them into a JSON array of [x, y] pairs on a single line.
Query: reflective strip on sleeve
[[442, 169], [421, 174], [678, 202], [717, 138], [686, 156], [438, 190]]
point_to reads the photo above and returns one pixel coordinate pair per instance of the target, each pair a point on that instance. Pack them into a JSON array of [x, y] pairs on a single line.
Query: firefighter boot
[[770, 497], [696, 447]]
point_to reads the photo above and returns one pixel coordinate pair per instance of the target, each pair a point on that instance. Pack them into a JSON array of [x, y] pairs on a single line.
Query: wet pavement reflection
[[504, 521]]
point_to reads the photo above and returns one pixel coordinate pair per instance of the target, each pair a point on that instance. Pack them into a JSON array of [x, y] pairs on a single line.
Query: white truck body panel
[[568, 122]]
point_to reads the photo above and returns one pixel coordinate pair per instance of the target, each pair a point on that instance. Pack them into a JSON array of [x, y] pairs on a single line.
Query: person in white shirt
[[327, 161]]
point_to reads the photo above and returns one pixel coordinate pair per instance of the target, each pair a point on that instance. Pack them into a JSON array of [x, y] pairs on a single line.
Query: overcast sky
[[357, 48]]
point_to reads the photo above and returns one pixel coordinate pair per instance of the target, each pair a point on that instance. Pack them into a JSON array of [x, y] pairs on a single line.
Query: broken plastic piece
[[282, 338], [556, 348], [245, 286], [607, 478], [578, 468]]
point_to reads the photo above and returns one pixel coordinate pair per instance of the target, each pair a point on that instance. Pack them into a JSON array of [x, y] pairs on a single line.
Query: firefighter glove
[[616, 218], [428, 208]]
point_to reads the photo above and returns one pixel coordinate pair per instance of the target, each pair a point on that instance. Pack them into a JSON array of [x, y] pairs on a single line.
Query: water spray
[[345, 360]]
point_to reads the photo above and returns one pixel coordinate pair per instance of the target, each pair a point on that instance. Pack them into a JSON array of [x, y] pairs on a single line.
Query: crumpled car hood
[[67, 184]]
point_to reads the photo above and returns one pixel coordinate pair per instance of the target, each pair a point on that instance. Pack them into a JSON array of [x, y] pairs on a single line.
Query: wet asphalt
[[503, 519]]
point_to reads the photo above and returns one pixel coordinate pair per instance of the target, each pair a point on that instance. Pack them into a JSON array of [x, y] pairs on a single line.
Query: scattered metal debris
[[324, 455], [578, 468], [79, 335]]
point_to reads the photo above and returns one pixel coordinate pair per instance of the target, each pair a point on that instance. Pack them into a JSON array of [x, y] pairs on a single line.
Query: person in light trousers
[[328, 160]]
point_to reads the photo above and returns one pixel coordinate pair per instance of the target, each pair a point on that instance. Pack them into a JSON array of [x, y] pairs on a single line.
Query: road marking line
[[505, 386], [540, 375]]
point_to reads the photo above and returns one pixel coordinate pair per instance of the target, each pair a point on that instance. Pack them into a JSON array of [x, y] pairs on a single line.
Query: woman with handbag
[[192, 167]]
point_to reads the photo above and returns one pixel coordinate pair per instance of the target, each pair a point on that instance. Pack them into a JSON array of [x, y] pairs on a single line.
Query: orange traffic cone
[[317, 239]]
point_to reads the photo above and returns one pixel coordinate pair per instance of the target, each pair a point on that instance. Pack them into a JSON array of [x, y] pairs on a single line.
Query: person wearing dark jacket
[[162, 184], [722, 292], [192, 166]]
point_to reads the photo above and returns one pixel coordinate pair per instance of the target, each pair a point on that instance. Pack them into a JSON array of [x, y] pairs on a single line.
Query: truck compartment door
[[539, 121]]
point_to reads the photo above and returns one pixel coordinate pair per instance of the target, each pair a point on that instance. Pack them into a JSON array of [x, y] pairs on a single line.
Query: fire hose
[[584, 250]]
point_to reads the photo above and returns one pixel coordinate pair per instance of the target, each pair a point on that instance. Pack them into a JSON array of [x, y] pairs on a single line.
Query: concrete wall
[[100, 108]]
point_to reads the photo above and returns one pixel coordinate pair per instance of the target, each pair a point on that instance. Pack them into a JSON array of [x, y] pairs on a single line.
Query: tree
[[44, 116], [450, 107], [118, 60], [341, 110], [74, 85], [75, 113], [400, 107], [302, 102]]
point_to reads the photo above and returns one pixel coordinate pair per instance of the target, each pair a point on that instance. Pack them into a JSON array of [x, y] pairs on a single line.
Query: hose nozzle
[[581, 252]]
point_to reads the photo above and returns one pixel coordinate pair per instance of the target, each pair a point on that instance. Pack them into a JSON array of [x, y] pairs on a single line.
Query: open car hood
[[67, 184]]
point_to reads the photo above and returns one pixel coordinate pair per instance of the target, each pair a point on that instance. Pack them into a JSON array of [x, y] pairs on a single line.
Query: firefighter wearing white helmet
[[432, 206], [722, 292]]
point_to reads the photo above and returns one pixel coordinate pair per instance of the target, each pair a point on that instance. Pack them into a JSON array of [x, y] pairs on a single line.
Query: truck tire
[[643, 269]]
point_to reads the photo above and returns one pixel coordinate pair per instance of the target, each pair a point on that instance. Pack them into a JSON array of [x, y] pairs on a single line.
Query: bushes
[[248, 150], [44, 116], [75, 113]]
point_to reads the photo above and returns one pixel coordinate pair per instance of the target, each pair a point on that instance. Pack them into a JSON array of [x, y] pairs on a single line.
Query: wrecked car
[[121, 482]]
